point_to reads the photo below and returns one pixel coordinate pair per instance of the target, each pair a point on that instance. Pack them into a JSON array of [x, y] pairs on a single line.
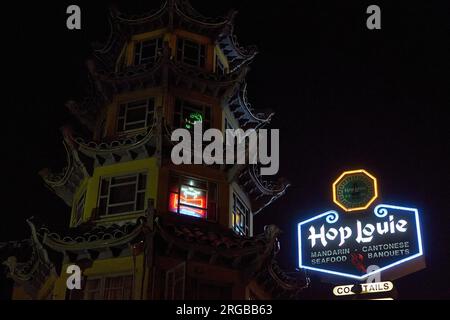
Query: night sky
[[345, 97]]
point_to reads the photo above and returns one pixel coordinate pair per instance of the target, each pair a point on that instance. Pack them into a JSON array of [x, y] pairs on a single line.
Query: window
[[147, 51], [175, 282], [241, 217], [135, 115], [122, 194], [187, 114], [191, 53], [109, 288], [220, 68], [193, 197], [79, 209]]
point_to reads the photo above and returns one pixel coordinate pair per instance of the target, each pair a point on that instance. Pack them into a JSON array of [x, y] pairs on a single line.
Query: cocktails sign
[[346, 244]]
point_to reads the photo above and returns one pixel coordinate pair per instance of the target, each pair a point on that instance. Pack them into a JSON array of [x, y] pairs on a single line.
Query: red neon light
[[173, 202], [191, 201], [196, 202]]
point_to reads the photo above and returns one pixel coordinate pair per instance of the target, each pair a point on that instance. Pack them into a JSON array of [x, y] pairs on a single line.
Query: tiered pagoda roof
[[108, 79], [28, 261], [172, 14]]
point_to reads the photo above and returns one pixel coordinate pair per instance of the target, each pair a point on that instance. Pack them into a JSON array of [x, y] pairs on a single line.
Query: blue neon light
[[380, 211]]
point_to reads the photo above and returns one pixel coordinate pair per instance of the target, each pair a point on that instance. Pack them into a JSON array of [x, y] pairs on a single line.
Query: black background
[[345, 97]]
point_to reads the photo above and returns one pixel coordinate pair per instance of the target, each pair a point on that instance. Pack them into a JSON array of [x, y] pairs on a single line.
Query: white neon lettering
[[365, 233]]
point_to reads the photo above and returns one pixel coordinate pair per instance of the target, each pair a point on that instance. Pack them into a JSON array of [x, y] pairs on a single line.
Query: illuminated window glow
[[186, 114], [241, 217], [192, 197]]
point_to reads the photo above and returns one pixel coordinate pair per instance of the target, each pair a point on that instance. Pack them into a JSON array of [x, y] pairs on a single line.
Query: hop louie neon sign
[[346, 244]]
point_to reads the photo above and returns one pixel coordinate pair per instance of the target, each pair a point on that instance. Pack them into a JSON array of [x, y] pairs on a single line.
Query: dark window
[[135, 115], [187, 114], [193, 197], [175, 282], [147, 51], [241, 217], [123, 194], [191, 53], [109, 288]]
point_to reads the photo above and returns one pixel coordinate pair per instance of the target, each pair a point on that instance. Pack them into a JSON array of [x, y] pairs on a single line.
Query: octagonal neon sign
[[355, 190]]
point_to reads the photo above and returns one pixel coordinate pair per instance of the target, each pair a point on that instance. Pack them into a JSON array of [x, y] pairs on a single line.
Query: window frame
[[158, 48], [245, 215], [183, 104], [138, 190], [101, 289], [200, 60], [173, 271], [79, 209], [211, 190], [149, 115]]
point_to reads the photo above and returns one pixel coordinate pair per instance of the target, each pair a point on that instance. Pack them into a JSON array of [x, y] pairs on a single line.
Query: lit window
[[241, 217], [191, 53], [187, 114], [193, 197], [122, 194], [147, 51], [109, 288], [135, 115], [79, 209]]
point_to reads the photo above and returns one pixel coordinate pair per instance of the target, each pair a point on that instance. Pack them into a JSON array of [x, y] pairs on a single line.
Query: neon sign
[[387, 238], [346, 243], [191, 202], [194, 117], [355, 190]]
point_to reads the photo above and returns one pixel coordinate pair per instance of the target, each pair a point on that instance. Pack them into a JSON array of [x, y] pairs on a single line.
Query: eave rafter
[[97, 239], [242, 110], [281, 284], [172, 14], [64, 183], [137, 146], [262, 191], [34, 272]]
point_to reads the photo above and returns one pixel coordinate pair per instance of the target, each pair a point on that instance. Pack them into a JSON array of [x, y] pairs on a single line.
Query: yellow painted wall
[[59, 291], [81, 189], [92, 184], [107, 268], [120, 266], [45, 291], [218, 54]]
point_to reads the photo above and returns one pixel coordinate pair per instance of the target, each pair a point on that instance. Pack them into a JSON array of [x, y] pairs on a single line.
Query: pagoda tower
[[142, 227]]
